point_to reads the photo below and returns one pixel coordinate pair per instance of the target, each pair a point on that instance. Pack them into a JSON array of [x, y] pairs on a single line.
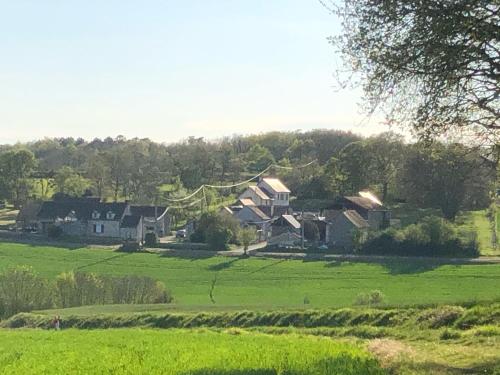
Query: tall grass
[[178, 352]]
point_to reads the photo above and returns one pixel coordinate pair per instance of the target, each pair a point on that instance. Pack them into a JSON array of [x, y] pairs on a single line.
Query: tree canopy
[[431, 65]]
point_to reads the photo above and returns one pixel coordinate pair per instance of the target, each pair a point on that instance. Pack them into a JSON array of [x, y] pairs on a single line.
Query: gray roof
[[258, 212], [292, 221], [356, 219], [147, 211], [82, 208], [130, 221], [363, 202]]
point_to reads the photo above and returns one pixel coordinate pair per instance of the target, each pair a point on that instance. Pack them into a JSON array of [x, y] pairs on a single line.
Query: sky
[[167, 70]]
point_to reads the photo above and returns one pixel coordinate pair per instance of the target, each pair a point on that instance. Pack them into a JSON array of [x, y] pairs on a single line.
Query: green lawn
[[185, 352], [271, 283]]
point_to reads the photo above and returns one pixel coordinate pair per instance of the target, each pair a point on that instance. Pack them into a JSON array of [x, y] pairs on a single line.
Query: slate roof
[[82, 208], [147, 211], [130, 221], [292, 221], [276, 185], [258, 212], [356, 219], [365, 203], [247, 202], [260, 193]]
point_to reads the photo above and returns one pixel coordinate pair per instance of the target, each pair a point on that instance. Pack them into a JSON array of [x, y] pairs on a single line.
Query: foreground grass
[[134, 351], [271, 283]]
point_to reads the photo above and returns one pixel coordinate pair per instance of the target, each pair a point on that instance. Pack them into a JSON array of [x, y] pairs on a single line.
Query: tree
[[16, 167], [247, 236], [443, 176], [259, 158], [69, 182], [430, 64], [385, 153]]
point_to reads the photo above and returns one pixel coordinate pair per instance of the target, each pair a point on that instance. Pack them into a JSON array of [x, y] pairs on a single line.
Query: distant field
[[185, 352], [271, 283], [478, 221]]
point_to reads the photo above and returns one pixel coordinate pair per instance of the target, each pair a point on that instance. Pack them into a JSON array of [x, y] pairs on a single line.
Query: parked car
[[181, 233]]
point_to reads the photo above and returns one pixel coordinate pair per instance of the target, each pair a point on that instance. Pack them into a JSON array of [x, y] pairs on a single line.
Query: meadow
[[193, 352], [261, 284]]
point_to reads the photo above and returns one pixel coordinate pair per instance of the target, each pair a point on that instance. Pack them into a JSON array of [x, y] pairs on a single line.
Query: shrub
[[150, 239], [216, 230], [54, 232], [449, 334], [375, 297], [22, 290], [433, 236]]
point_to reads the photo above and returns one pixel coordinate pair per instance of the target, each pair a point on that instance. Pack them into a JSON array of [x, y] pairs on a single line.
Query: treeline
[[22, 290], [451, 177]]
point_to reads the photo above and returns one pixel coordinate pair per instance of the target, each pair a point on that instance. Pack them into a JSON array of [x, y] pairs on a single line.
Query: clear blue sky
[[169, 69]]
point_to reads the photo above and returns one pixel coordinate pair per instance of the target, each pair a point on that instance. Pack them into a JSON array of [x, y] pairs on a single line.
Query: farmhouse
[[344, 227], [92, 218], [270, 195], [370, 208]]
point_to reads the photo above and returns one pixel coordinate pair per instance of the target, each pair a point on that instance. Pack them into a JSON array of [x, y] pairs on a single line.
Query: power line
[[201, 188]]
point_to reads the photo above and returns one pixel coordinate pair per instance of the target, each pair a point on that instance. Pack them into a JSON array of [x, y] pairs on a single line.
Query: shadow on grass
[[223, 265], [188, 254], [408, 267], [268, 266], [120, 255]]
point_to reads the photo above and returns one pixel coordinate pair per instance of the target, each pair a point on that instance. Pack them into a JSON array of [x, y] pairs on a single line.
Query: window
[[110, 215], [96, 215], [98, 228]]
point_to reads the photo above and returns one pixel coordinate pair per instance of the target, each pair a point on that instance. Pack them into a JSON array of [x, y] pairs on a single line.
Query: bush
[[375, 297], [150, 239], [216, 230], [54, 232], [21, 289], [432, 237]]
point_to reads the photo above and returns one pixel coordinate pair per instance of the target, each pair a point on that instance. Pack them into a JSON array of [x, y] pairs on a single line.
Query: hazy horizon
[[166, 71]]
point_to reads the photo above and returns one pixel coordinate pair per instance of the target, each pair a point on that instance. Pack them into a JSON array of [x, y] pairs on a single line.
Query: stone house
[[285, 224], [370, 208], [92, 218], [252, 215], [343, 227]]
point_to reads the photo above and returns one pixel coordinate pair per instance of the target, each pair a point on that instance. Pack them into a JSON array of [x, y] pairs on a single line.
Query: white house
[[270, 195]]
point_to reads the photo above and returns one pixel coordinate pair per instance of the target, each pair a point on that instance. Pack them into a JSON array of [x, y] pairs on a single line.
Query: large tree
[[432, 65], [16, 167]]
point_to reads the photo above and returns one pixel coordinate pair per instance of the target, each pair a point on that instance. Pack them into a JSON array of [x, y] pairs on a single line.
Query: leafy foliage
[[433, 236]]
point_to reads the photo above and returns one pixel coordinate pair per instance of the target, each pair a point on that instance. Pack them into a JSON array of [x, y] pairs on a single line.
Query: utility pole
[[302, 230]]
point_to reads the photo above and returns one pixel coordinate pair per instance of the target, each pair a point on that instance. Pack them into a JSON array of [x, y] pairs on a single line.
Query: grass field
[[271, 283], [183, 352]]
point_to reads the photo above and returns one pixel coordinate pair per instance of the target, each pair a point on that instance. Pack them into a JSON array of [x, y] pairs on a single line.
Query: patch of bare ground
[[389, 351]]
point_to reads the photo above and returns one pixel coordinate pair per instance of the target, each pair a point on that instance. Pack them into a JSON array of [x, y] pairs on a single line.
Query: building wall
[[340, 232], [249, 193], [279, 199], [132, 234], [111, 228], [378, 219]]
